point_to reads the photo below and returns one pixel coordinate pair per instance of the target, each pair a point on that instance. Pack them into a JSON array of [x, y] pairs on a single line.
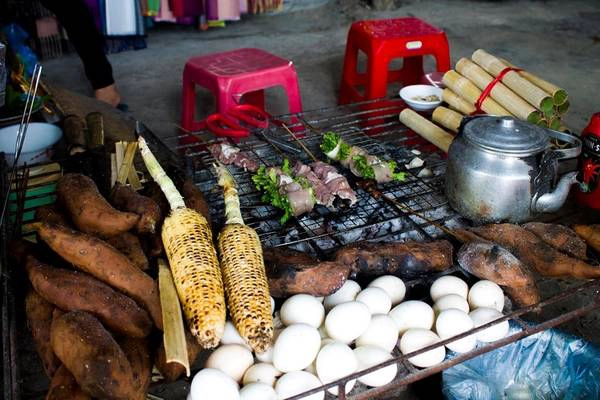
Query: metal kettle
[[501, 169]]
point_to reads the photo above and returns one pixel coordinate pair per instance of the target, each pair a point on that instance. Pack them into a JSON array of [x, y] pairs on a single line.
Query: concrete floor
[[558, 42]]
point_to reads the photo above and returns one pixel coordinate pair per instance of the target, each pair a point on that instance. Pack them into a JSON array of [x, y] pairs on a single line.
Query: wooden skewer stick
[[300, 143]]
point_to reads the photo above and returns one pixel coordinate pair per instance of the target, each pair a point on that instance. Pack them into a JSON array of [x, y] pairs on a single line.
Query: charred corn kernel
[[187, 239], [243, 269]]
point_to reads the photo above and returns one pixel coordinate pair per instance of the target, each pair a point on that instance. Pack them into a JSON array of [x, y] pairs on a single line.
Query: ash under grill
[[372, 125]]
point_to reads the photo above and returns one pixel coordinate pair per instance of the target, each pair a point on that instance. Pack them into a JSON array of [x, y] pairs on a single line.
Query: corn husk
[[426, 129], [513, 80], [468, 91], [457, 103], [447, 118], [503, 95], [559, 96]]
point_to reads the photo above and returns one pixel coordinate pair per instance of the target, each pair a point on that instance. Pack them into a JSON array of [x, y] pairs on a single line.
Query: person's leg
[[77, 20]]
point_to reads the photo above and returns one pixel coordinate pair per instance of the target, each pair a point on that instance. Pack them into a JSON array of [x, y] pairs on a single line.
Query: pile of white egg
[[320, 340]]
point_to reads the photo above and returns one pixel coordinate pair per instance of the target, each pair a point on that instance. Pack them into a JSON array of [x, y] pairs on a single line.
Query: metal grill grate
[[372, 125]]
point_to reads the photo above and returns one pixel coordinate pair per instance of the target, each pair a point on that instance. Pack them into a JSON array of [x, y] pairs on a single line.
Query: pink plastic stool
[[233, 74]]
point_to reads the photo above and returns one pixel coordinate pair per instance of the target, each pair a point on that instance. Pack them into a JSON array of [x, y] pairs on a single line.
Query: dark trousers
[[77, 20]]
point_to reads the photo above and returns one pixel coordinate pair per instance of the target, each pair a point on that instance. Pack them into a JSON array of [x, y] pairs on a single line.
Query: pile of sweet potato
[[93, 308], [511, 255]]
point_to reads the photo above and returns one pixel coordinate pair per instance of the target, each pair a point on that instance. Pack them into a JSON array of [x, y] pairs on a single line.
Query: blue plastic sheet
[[550, 365]]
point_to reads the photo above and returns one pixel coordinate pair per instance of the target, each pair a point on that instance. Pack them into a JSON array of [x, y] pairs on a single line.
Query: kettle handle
[[571, 152]]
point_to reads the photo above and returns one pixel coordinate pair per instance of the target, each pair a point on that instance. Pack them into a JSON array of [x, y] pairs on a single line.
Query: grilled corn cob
[[243, 269], [187, 239]]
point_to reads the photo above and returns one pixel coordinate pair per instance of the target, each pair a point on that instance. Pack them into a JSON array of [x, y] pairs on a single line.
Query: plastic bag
[[550, 365]]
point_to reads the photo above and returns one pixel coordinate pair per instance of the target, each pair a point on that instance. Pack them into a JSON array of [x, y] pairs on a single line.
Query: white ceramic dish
[[38, 146], [408, 93]]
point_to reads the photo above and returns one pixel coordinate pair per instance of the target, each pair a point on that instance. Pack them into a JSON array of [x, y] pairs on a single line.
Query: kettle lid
[[506, 135]]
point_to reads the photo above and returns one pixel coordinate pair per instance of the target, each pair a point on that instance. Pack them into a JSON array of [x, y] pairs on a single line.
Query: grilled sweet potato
[[129, 244], [64, 387], [91, 354], [173, 371], [493, 262], [138, 354], [39, 321], [291, 272], [536, 253], [194, 199], [52, 213], [101, 260], [127, 199], [76, 291], [560, 237], [589, 233], [405, 259], [89, 211]]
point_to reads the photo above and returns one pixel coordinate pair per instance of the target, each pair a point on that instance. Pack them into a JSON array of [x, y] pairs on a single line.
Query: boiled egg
[[486, 294], [448, 285], [369, 356], [416, 339], [232, 336], [258, 391], [336, 360], [347, 321], [210, 383], [451, 301], [382, 332], [297, 382], [412, 314], [346, 293], [302, 309], [483, 315], [376, 299], [392, 285], [233, 359], [261, 372], [452, 322], [296, 347]]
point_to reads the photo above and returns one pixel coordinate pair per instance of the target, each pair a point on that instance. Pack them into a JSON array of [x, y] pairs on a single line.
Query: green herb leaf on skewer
[[267, 183], [344, 151], [398, 176], [330, 141], [363, 168]]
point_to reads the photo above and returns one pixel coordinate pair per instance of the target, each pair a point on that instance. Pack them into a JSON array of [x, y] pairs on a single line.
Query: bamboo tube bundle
[[187, 239], [559, 96], [457, 103], [243, 269], [521, 86], [471, 93], [447, 118], [503, 95]]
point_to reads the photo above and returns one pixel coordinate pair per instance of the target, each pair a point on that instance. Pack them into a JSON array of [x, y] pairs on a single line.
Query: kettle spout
[[551, 202]]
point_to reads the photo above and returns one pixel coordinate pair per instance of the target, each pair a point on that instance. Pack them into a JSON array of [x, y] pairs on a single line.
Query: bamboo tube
[[563, 108], [555, 123], [447, 118], [559, 96], [457, 103], [427, 129], [521, 86], [174, 331], [503, 95], [468, 91]]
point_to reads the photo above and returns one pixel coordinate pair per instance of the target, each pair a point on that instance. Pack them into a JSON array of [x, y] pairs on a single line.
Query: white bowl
[[407, 94], [38, 146]]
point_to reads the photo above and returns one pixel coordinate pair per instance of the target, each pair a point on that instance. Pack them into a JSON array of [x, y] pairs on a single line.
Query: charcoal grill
[[423, 209]]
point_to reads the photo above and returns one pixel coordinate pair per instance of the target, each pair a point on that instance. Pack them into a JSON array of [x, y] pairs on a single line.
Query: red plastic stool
[[382, 41], [233, 74]]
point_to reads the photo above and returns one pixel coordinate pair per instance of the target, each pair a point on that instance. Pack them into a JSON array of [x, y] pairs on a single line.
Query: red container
[[588, 193]]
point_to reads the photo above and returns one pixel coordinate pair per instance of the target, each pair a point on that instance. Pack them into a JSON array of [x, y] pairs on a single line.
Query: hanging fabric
[[223, 10], [152, 7], [164, 13]]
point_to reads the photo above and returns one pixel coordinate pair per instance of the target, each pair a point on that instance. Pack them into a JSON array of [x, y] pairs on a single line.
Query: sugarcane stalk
[[471, 93], [503, 95], [521, 86]]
